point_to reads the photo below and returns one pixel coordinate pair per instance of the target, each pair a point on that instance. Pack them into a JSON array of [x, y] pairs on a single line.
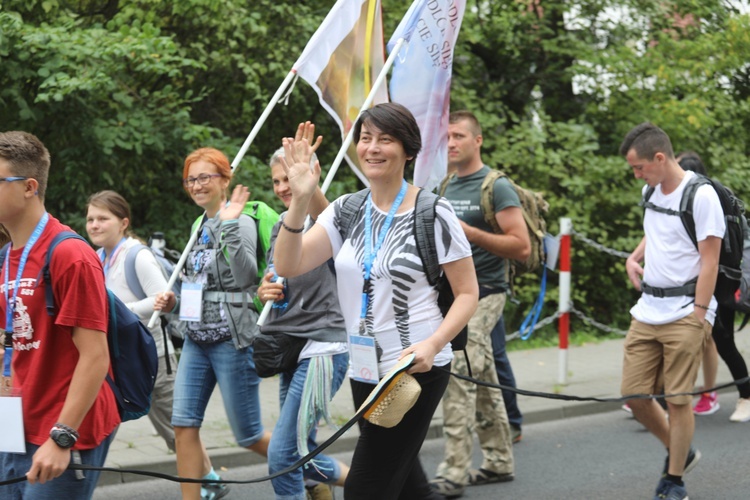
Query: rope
[[302, 461]]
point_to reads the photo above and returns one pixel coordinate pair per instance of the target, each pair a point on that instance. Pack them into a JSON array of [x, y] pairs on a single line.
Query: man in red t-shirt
[[59, 362]]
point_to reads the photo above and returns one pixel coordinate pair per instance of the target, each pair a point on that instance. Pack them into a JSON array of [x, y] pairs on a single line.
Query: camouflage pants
[[468, 407]]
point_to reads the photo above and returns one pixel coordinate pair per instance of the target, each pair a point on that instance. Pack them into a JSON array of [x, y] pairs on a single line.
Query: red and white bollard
[[563, 323]]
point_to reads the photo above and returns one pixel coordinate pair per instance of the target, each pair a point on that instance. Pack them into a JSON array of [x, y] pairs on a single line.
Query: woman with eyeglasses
[[221, 271]]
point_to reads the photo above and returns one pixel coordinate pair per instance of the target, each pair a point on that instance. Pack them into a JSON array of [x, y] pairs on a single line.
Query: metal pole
[[564, 303]]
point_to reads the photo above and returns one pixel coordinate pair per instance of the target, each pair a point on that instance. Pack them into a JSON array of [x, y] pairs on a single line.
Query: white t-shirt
[[403, 305], [671, 257]]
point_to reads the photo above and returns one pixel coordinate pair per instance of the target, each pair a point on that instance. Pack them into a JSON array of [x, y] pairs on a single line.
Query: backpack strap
[[349, 210], [487, 199], [49, 297], [688, 222], [424, 233], [444, 183], [131, 277]]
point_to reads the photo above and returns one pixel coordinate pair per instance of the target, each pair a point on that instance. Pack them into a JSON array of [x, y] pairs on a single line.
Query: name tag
[[191, 301], [364, 358], [11, 422]]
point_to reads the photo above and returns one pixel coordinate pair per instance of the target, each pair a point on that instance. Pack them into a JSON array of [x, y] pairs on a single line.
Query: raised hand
[[303, 177], [307, 131], [240, 195]]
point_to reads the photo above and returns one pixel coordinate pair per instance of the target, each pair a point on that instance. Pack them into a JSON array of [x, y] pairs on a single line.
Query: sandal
[[483, 476], [446, 487]]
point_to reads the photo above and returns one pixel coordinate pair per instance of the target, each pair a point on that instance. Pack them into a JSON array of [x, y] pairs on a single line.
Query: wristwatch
[[65, 437]]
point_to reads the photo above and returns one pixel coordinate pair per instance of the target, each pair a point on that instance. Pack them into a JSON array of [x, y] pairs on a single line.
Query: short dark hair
[[395, 120], [647, 139], [26, 156], [462, 115], [689, 160]]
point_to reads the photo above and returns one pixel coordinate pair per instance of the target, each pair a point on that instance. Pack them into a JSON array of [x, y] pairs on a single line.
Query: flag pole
[[347, 142], [237, 159], [365, 105]]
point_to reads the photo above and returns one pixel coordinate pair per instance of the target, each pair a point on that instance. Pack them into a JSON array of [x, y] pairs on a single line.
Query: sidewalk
[[593, 370]]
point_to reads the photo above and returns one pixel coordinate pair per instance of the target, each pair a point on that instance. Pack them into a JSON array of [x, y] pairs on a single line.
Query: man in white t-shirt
[[672, 319]]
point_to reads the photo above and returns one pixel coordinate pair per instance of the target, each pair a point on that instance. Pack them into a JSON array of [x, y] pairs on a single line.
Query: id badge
[[191, 301], [11, 421], [364, 358]]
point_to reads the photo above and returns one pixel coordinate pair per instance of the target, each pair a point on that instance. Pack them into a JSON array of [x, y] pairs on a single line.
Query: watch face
[[62, 438]]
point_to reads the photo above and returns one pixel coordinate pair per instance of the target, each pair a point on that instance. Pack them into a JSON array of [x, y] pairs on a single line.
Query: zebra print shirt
[[402, 308]]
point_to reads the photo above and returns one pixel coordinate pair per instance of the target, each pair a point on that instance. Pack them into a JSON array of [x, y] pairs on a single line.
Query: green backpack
[[533, 206], [265, 218]]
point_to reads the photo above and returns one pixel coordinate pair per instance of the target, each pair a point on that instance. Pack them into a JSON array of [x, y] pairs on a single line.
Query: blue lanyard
[[10, 306], [108, 262], [370, 251]]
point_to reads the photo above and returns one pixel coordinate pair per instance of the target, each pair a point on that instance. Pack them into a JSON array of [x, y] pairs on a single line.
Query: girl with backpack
[[389, 307], [108, 227], [221, 273]]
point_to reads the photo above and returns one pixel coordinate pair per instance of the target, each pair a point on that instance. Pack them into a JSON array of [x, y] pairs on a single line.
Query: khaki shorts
[[664, 355]]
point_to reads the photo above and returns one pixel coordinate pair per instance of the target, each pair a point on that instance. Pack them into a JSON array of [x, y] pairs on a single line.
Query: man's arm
[[93, 363], [633, 264], [709, 250], [512, 244]]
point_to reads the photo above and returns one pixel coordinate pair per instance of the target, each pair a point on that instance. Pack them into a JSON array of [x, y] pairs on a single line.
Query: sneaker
[[481, 476], [742, 412], [214, 491], [447, 488], [515, 433], [626, 407], [708, 404], [667, 490], [319, 492], [693, 457]]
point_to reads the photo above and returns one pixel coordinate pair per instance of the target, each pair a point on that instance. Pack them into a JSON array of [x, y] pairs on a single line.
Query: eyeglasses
[[12, 179], [202, 179]]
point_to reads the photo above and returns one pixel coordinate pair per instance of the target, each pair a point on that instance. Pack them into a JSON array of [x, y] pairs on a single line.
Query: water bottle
[[280, 304]]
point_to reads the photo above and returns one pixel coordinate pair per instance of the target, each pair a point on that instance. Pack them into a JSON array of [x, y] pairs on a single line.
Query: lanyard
[[108, 262], [370, 251], [10, 305]]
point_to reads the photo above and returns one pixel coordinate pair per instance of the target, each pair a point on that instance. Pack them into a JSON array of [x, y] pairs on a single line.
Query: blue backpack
[[132, 351]]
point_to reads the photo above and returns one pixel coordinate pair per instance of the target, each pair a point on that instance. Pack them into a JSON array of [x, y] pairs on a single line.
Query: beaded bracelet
[[292, 230], [701, 306]]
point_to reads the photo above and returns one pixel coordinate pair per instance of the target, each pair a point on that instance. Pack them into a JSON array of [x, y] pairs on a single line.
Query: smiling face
[[104, 228], [211, 196], [381, 156], [281, 184]]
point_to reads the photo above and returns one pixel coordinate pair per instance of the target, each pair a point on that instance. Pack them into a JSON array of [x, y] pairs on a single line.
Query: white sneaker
[[742, 412]]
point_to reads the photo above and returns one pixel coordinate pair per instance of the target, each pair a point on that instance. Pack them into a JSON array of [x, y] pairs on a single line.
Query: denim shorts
[[201, 366]]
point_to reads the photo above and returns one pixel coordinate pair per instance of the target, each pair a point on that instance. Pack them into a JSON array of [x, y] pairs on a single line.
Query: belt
[[228, 297]]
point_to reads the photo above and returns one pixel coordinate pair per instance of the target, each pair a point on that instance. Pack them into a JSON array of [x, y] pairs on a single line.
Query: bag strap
[[487, 198], [424, 233], [349, 209], [49, 297], [131, 276]]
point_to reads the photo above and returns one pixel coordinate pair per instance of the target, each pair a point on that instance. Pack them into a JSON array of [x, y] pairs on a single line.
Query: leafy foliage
[[122, 90]]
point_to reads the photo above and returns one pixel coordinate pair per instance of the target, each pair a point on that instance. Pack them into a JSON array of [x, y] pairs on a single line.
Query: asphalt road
[[606, 455]]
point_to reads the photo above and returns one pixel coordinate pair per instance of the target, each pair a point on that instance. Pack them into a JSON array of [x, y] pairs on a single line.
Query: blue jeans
[[65, 486], [282, 451], [505, 373], [201, 367]]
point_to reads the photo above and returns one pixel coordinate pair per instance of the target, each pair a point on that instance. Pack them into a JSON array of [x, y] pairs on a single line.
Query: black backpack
[[424, 235], [730, 257]]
